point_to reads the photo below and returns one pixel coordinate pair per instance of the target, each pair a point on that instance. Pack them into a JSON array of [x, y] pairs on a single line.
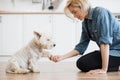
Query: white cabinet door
[[10, 33], [36, 22], [64, 33], [0, 33]]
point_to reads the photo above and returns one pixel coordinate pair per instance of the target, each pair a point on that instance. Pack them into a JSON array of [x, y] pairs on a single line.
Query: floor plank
[[57, 71]]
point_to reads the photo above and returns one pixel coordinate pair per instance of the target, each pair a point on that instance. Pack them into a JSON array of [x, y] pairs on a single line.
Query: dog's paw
[[36, 70], [25, 71], [30, 67]]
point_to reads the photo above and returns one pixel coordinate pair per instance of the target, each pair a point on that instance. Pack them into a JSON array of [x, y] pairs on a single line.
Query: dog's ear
[[37, 35]]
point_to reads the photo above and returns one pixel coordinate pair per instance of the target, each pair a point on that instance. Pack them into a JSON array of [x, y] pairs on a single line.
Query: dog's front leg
[[45, 53], [33, 65]]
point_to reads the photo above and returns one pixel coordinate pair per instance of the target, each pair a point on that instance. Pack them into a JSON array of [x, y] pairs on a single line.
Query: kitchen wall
[[112, 5], [28, 6]]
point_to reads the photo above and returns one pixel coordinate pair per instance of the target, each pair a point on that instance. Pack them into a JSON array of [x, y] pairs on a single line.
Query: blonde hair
[[83, 4]]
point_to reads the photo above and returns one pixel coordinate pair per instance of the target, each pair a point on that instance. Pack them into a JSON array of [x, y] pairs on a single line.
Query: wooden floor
[[57, 71]]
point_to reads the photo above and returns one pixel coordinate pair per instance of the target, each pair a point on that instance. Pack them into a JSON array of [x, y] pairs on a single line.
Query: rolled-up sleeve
[[106, 31], [84, 41]]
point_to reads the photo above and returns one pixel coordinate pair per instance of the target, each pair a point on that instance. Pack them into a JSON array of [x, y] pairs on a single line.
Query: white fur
[[25, 60]]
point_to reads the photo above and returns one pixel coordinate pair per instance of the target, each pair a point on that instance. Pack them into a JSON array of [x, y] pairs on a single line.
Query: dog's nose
[[54, 45]]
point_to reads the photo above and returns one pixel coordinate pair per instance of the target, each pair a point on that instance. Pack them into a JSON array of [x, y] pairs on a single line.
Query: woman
[[98, 25]]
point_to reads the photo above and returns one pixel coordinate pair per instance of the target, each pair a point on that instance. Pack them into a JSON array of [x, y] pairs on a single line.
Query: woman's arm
[[105, 56], [71, 54], [57, 58], [105, 60]]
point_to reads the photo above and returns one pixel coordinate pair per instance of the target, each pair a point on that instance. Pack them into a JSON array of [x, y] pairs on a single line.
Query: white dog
[[25, 60]]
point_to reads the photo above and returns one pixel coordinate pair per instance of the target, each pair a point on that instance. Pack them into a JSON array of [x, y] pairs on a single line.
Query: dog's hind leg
[[46, 53], [33, 66], [20, 70], [13, 67]]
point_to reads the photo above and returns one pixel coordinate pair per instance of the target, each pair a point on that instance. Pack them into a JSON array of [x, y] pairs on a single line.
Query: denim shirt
[[103, 28]]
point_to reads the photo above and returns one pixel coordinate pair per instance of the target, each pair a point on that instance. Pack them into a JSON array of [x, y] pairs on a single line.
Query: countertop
[[35, 12]]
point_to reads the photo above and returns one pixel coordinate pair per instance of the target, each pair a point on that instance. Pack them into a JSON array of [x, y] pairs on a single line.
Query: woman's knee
[[81, 65], [87, 62]]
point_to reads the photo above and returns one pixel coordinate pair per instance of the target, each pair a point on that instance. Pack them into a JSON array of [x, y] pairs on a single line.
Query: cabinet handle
[[50, 18], [0, 19]]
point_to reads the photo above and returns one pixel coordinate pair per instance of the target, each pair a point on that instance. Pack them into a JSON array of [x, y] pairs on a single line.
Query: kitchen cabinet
[[36, 22], [16, 30], [10, 33], [64, 33], [0, 32], [61, 27]]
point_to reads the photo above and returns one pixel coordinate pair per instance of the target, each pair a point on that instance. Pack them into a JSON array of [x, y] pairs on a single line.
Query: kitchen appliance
[[117, 16], [51, 5]]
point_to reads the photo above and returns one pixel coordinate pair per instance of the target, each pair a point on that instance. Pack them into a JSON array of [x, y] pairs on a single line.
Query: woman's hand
[[97, 71], [56, 58]]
